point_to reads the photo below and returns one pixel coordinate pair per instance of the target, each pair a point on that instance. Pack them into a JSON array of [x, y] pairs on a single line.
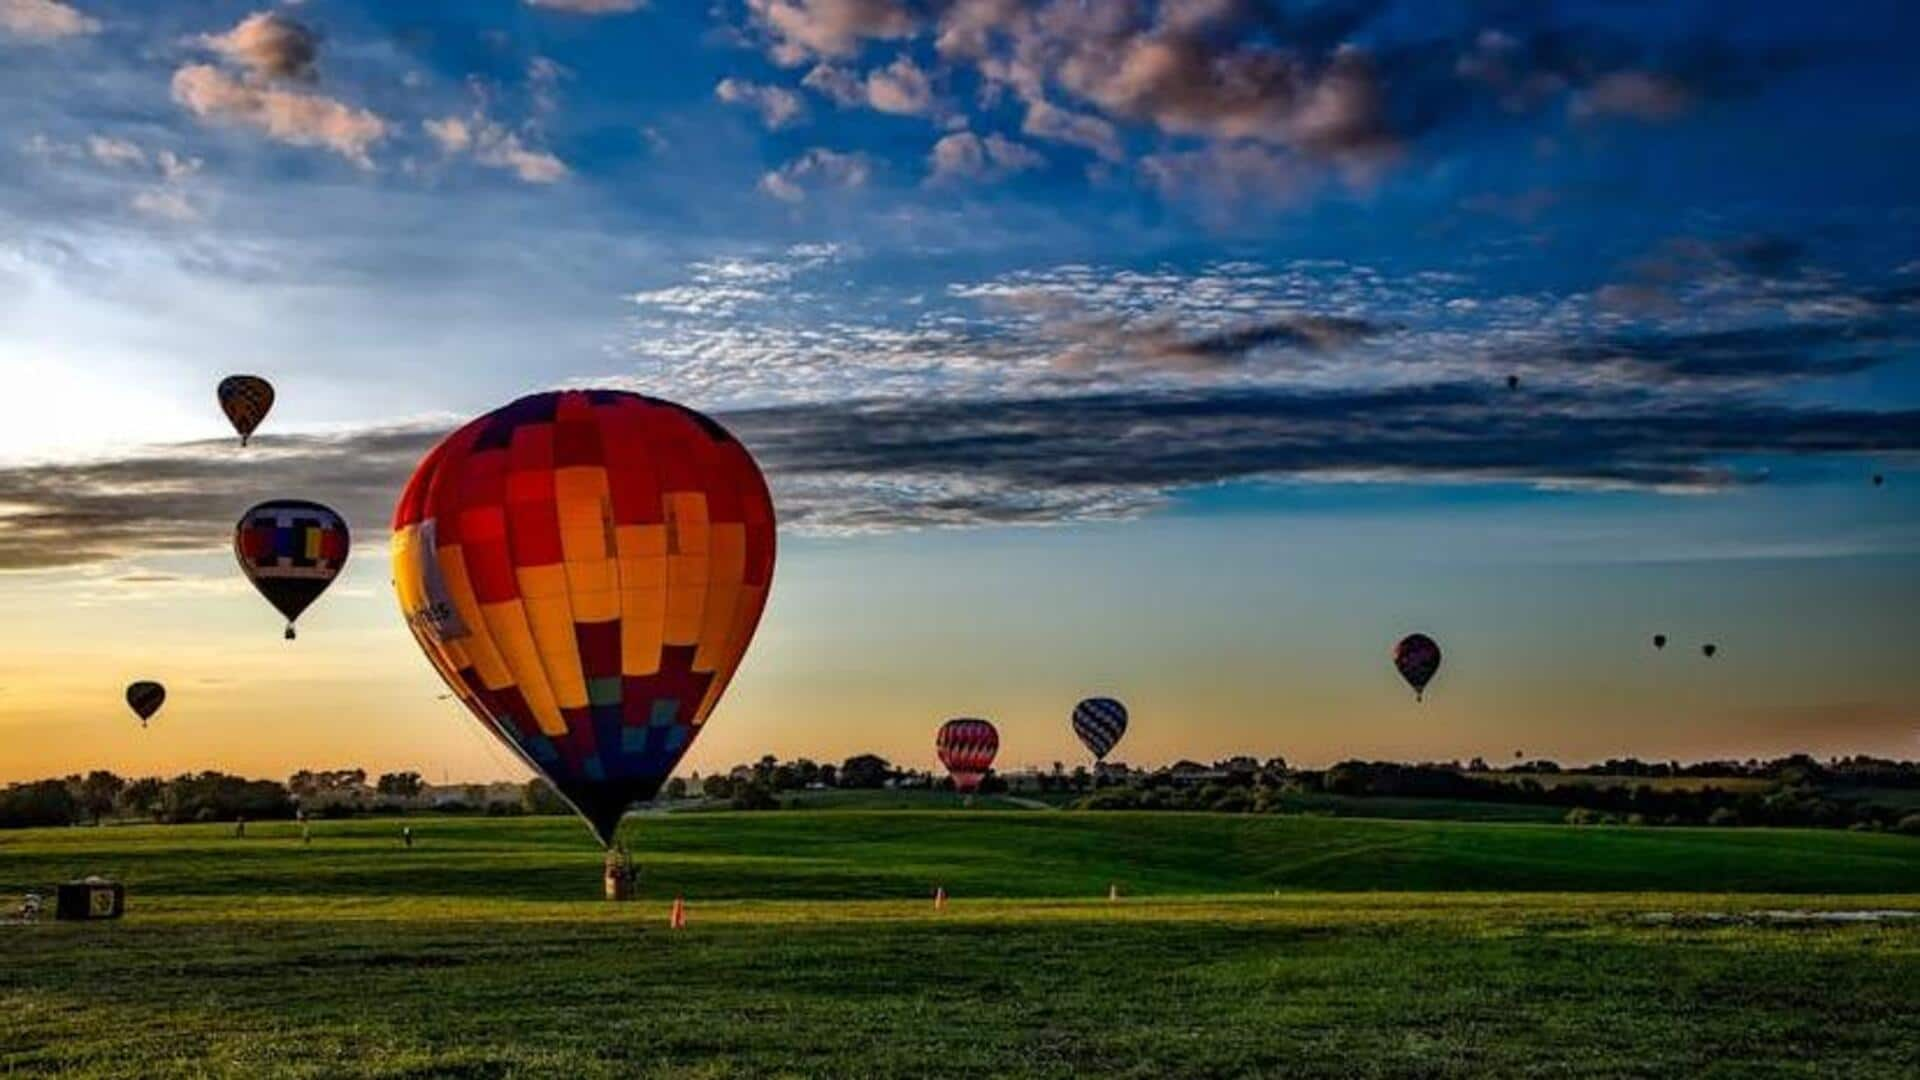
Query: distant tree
[[754, 796], [141, 797], [865, 771], [538, 797], [717, 786], [97, 793], [40, 802], [676, 788], [403, 785]]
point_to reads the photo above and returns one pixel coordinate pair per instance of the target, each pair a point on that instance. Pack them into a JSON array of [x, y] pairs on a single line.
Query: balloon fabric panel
[[585, 569]]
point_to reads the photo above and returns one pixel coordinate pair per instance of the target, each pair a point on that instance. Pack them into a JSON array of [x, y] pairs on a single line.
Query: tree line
[[1799, 790]]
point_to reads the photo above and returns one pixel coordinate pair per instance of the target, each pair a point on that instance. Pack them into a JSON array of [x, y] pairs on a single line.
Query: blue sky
[[1193, 318]]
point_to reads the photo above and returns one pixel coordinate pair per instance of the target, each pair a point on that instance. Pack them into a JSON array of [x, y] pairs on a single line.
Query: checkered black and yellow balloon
[[585, 570]]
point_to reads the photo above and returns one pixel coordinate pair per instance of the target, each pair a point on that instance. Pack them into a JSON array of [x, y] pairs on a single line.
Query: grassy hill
[[1394, 948]]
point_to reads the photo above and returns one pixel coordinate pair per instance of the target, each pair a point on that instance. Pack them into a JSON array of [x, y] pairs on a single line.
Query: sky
[[1163, 350]]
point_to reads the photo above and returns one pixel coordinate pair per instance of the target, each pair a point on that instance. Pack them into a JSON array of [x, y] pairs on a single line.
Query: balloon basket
[[620, 875]]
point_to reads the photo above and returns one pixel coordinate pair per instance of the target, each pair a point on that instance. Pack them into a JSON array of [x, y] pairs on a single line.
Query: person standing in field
[[406, 835], [240, 827]]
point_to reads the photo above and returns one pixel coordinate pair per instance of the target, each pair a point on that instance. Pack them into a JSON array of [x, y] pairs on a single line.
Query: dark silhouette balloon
[[1100, 722], [1708, 650], [291, 550], [1659, 641], [145, 698], [1878, 479], [1513, 382], [1417, 656], [246, 399], [966, 746], [585, 570]]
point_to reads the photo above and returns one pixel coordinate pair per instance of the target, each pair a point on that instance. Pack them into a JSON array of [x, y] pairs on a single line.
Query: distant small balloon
[[145, 698], [1513, 382], [1100, 722], [1878, 480], [1709, 649], [246, 399], [1659, 641], [291, 550], [967, 746], [1418, 657]]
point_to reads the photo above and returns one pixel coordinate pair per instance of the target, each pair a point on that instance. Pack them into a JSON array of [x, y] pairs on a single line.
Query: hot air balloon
[[585, 569], [1709, 649], [1100, 722], [1878, 479], [145, 698], [1418, 657], [291, 550], [245, 399], [966, 747], [1659, 641], [1513, 382]]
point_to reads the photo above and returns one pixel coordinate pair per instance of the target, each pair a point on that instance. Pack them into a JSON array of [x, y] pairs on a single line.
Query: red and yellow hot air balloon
[[966, 746], [585, 570]]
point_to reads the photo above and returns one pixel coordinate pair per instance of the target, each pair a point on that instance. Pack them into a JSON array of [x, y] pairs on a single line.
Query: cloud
[[1228, 177], [590, 7], [1045, 120], [933, 460], [900, 87], [836, 84], [778, 106], [44, 20], [807, 29], [966, 156], [108, 150], [298, 118], [1639, 95], [816, 169], [494, 146], [269, 45], [166, 203]]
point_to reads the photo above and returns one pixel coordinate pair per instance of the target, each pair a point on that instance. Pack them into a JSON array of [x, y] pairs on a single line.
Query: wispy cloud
[[45, 20], [295, 117], [817, 169]]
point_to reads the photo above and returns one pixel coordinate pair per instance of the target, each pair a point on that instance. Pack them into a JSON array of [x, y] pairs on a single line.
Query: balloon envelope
[[145, 698], [1659, 641], [245, 399], [1100, 722], [585, 570], [291, 550], [966, 746], [1418, 657], [1709, 650]]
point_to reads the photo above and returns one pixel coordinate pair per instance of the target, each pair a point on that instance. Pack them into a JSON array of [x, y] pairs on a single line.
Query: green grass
[[1391, 948]]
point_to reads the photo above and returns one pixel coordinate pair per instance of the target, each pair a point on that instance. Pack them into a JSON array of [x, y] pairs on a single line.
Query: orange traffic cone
[[678, 920], [939, 899]]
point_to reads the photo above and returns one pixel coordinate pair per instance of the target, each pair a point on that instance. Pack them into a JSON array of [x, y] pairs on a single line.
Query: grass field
[[1242, 946]]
